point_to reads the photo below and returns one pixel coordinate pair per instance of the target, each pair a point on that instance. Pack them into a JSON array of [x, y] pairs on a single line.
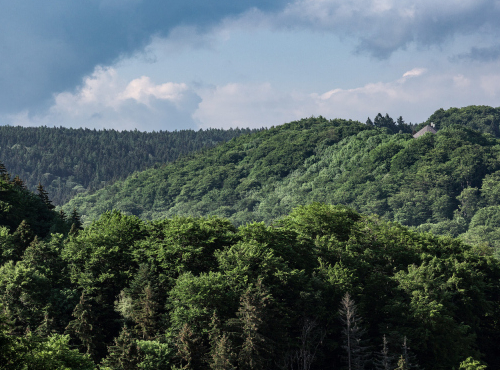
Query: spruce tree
[[251, 314], [4, 175], [22, 238], [84, 326], [124, 354], [44, 196], [383, 360], [17, 182], [352, 333], [75, 220], [222, 356], [189, 348]]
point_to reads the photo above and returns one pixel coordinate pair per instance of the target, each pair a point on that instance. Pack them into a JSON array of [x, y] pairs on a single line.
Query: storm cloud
[[52, 52], [383, 26], [49, 46]]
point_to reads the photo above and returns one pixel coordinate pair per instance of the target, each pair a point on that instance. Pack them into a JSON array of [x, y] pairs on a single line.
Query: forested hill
[[223, 180], [446, 183], [73, 161]]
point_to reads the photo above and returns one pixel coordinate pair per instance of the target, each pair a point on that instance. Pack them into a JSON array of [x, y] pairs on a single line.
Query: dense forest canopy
[[321, 288], [444, 183], [73, 161]]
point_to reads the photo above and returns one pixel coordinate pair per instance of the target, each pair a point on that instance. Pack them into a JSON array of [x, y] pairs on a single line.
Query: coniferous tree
[[189, 348], [310, 339], [124, 354], [44, 196], [408, 356], [23, 236], [352, 333], [75, 220], [139, 303], [84, 326], [222, 356], [17, 182], [251, 314], [4, 175], [383, 360]]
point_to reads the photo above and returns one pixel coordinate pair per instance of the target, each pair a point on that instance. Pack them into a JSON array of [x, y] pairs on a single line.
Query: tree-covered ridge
[[321, 285], [72, 161], [481, 118], [221, 180], [446, 183]]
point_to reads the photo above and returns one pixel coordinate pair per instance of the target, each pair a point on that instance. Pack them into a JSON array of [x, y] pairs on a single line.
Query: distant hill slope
[[72, 161], [221, 180], [442, 183]]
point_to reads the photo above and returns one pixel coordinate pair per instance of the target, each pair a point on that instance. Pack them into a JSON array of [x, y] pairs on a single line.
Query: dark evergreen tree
[[383, 359], [256, 348], [190, 349], [44, 196], [85, 327], [17, 182], [23, 236], [222, 355], [124, 354], [76, 223], [4, 175]]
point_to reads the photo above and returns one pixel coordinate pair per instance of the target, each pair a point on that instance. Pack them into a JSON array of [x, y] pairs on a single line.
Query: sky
[[198, 64]]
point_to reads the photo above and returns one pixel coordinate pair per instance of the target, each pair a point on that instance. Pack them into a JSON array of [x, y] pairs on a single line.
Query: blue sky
[[171, 65]]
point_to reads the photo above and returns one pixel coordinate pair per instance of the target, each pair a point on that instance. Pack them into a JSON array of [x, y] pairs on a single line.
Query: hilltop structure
[[429, 128]]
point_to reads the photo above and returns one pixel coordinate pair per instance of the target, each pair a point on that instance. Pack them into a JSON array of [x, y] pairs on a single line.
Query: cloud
[[246, 105], [105, 100], [49, 46], [384, 26], [484, 54], [415, 95]]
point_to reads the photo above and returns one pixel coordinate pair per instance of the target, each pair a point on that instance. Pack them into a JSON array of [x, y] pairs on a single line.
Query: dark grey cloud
[[384, 26], [48, 46], [486, 54]]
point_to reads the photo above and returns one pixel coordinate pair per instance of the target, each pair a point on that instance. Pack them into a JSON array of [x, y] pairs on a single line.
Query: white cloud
[[415, 72], [415, 95], [143, 91], [107, 100]]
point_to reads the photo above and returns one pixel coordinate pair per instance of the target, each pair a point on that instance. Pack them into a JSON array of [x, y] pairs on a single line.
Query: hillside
[[221, 180], [74, 161], [444, 183]]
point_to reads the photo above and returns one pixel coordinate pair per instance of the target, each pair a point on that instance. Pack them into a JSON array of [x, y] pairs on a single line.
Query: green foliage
[[70, 161], [226, 180], [198, 293], [481, 118], [29, 214], [440, 181], [471, 364]]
